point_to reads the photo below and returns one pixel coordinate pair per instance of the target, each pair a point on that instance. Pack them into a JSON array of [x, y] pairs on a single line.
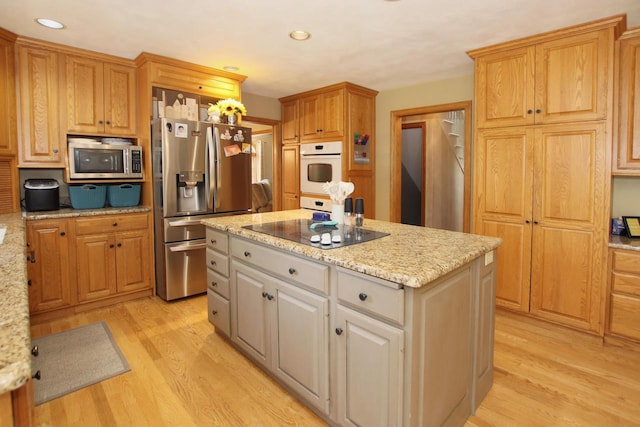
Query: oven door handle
[[184, 223], [187, 247]]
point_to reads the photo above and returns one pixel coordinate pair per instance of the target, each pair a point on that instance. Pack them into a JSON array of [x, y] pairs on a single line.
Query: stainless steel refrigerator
[[200, 170]]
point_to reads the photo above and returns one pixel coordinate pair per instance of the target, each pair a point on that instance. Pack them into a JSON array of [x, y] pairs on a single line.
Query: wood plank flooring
[[183, 374]]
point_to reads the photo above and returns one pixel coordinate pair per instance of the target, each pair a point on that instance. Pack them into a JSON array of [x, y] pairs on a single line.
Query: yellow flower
[[228, 107]]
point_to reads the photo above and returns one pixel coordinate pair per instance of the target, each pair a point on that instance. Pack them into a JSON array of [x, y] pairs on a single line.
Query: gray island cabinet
[[396, 331]]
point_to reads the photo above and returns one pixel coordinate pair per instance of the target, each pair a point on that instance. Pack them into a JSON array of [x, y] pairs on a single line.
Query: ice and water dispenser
[[191, 191]]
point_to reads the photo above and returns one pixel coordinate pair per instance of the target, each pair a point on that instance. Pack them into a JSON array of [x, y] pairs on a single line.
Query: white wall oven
[[320, 162]]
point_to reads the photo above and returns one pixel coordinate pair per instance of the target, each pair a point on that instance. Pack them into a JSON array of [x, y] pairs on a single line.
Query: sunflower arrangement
[[227, 107]]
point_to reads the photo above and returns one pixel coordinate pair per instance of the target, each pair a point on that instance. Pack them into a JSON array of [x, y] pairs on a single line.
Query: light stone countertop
[[15, 335], [411, 256], [623, 242]]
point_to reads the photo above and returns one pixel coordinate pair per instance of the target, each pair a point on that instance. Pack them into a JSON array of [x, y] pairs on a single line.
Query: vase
[[232, 119]]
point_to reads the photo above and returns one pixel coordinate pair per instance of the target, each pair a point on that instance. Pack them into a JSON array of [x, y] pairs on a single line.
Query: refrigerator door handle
[[184, 223], [212, 168]]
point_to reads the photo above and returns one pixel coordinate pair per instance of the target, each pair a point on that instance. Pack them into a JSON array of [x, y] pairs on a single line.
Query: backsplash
[[625, 195]]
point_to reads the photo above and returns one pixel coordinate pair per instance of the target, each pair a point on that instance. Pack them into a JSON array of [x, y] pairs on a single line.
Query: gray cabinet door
[[301, 343], [370, 370]]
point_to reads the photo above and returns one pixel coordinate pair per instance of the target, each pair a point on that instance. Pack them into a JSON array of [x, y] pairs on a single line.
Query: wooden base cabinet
[[624, 301], [113, 260], [48, 265]]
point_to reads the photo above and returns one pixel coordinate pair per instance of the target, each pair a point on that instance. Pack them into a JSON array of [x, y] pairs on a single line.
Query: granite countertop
[[15, 336], [623, 242], [410, 255], [72, 213]]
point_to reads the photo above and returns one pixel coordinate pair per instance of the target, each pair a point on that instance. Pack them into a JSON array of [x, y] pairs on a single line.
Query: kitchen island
[[395, 331]]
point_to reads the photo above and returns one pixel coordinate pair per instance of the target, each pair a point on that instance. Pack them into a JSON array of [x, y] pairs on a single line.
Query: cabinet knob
[[199, 87], [538, 111], [35, 350], [37, 375], [119, 245], [214, 284], [527, 221], [292, 271], [529, 111], [214, 312], [115, 224], [29, 282], [362, 296], [213, 262], [339, 331], [108, 122], [111, 246], [213, 241], [264, 294], [62, 233], [55, 151], [247, 253], [100, 122], [536, 222]]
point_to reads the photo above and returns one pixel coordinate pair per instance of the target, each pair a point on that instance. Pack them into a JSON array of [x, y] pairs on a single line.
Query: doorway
[[430, 166], [265, 137]]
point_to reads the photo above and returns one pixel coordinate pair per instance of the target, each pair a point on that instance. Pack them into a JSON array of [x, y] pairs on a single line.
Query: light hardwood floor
[[183, 374]]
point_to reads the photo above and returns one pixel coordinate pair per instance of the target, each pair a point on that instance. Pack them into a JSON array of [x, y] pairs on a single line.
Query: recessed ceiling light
[[299, 35], [50, 23], [231, 68]]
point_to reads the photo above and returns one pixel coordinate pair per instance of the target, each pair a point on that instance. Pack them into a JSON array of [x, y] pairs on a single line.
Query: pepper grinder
[[348, 211], [359, 212]]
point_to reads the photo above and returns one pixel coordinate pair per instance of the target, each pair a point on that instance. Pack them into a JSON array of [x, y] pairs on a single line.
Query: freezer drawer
[[185, 269], [178, 229]]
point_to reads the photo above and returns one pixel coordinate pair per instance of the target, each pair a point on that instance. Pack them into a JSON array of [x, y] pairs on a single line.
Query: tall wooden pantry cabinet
[[542, 164]]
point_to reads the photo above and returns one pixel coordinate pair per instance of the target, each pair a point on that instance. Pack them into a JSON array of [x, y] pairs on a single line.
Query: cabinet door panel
[[624, 318], [51, 285], [8, 119], [332, 113], [572, 78], [120, 99], [39, 108], [302, 353], [96, 266], [627, 143], [370, 358], [571, 167], [249, 323], [132, 260], [505, 88], [291, 177], [85, 101], [309, 118], [290, 122], [562, 276]]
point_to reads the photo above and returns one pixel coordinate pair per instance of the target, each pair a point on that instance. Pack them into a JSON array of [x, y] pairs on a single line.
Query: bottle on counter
[[359, 218]]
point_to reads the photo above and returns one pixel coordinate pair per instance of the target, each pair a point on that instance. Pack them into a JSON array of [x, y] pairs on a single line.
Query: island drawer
[[218, 262], [110, 223], [372, 297], [218, 283], [218, 240], [218, 312], [292, 268]]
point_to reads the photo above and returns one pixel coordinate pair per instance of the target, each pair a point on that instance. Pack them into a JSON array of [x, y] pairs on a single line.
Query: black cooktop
[[299, 230]]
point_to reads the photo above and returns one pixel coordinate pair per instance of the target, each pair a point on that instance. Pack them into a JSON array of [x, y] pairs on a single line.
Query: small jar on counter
[[359, 218], [348, 211]]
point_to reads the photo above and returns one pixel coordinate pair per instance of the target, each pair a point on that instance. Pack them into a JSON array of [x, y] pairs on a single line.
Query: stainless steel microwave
[[104, 161]]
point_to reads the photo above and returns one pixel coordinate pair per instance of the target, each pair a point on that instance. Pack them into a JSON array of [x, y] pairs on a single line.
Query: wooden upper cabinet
[[100, 97], [322, 116], [557, 80], [8, 120], [40, 140], [626, 154], [290, 122]]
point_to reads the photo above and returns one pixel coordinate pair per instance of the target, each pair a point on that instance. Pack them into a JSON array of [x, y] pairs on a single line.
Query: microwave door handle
[[212, 161]]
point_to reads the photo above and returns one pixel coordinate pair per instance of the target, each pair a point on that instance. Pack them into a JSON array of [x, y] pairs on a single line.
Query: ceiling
[[374, 43]]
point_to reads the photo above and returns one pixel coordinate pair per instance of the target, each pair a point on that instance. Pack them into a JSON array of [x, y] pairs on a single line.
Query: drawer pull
[[213, 262], [362, 296], [115, 224], [247, 253], [213, 241], [264, 294], [339, 331], [214, 284], [292, 271], [37, 375], [214, 312], [35, 350]]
